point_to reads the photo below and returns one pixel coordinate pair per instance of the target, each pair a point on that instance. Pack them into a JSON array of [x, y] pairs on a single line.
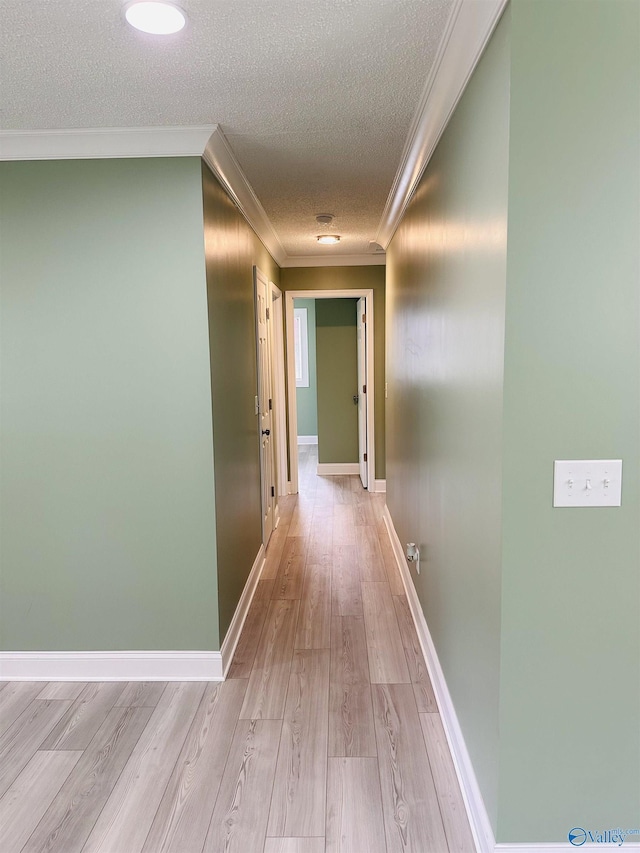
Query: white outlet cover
[[587, 482]]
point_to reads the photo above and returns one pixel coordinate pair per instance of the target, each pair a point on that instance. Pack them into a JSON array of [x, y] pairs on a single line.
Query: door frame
[[276, 327], [290, 295]]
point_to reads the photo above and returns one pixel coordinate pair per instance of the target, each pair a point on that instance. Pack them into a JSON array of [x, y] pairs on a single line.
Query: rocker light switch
[[587, 482]]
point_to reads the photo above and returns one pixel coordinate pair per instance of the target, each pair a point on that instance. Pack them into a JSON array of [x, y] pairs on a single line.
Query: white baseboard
[[307, 439], [561, 848], [476, 811], [138, 665], [237, 623], [111, 666], [379, 486], [329, 469]]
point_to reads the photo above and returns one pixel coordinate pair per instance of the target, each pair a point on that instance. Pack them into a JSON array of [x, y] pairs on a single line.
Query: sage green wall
[[307, 398], [533, 611], [446, 279], [231, 250], [107, 507], [570, 704], [354, 278], [337, 354]]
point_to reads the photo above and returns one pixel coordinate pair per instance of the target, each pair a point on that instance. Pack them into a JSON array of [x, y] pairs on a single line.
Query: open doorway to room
[[330, 367]]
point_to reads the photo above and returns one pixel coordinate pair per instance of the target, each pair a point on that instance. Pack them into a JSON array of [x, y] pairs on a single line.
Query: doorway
[[365, 382]]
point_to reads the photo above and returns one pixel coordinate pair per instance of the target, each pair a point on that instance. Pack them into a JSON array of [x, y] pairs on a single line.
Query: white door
[[278, 412], [362, 391], [264, 405]]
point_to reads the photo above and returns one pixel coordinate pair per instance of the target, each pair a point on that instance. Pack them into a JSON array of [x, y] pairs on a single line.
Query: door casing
[[367, 294]]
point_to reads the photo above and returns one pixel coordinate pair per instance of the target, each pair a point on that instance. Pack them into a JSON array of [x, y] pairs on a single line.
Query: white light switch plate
[[587, 482]]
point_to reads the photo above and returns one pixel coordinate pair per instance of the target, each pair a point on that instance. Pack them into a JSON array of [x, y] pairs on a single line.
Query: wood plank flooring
[[325, 737]]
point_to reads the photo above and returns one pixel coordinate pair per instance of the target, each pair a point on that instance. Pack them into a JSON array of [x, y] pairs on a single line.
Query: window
[[301, 345]]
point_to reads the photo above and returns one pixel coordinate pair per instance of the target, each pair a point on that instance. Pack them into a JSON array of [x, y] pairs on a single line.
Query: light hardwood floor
[[325, 737]]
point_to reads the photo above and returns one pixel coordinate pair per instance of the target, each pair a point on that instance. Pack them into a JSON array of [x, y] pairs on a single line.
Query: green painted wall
[[231, 250], [354, 278], [446, 280], [107, 506], [570, 704], [533, 611], [307, 398], [337, 347]]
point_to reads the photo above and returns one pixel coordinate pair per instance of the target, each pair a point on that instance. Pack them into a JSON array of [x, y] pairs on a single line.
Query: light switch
[[587, 482]]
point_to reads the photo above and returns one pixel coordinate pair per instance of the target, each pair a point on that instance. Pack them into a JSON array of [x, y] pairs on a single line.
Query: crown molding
[[104, 142], [379, 259], [222, 162], [468, 30]]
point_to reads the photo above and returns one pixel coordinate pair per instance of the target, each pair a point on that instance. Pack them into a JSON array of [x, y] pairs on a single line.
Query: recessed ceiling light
[[328, 239], [155, 16]]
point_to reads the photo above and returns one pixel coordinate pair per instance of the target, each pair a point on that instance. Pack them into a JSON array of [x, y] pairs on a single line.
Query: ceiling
[[316, 100]]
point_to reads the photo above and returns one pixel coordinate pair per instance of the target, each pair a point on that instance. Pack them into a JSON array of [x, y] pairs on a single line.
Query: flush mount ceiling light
[[325, 220], [157, 17]]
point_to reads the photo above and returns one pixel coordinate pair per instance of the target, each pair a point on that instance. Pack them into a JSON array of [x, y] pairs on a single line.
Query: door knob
[[356, 397], [266, 432]]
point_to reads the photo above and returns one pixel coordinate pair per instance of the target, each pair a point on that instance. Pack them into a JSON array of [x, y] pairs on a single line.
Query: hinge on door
[[364, 318], [364, 389], [273, 491], [270, 404], [267, 313], [365, 457]]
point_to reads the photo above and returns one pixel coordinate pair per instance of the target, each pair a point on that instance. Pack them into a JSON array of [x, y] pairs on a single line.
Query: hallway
[[325, 736]]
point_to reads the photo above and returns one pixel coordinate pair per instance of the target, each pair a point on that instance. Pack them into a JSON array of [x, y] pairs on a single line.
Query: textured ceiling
[[315, 99]]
